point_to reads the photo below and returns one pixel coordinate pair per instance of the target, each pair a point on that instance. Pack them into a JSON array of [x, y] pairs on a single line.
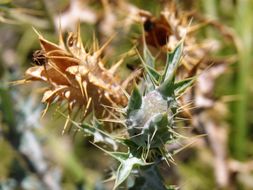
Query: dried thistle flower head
[[76, 76], [173, 25]]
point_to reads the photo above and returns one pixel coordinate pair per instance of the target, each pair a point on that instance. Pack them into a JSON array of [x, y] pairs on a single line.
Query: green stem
[[244, 26], [210, 7]]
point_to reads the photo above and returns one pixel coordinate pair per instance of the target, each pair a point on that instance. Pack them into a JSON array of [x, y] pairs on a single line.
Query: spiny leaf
[[155, 134], [182, 85], [153, 74], [172, 62], [134, 148], [148, 58], [161, 120], [158, 131], [98, 134], [167, 88], [135, 101], [125, 169], [120, 156], [149, 179], [127, 162]]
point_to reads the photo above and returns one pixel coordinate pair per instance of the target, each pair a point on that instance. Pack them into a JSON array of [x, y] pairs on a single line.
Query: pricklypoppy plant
[[150, 117], [77, 76]]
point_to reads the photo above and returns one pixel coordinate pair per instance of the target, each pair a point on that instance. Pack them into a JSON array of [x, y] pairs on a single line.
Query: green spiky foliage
[[150, 122]]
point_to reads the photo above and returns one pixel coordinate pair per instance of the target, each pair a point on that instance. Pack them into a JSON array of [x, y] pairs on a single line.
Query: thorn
[[95, 42], [61, 73], [99, 52], [113, 121], [36, 31], [107, 96], [117, 118], [107, 152], [115, 67], [66, 125], [79, 38], [198, 26], [125, 92], [61, 41], [87, 107], [189, 144], [185, 106], [85, 90], [118, 109], [131, 77], [45, 111], [79, 81], [72, 61], [18, 82], [72, 121]]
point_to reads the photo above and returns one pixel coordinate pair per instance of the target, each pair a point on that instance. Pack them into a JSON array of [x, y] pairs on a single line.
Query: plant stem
[[244, 26]]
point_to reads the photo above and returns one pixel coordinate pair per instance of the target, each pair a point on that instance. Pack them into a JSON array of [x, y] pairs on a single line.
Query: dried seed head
[[76, 76], [167, 30]]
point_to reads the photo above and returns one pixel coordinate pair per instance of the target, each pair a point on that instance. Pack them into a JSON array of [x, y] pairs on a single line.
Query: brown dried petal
[[61, 60], [48, 46]]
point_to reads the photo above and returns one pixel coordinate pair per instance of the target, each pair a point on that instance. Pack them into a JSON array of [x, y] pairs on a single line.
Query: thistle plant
[[135, 123], [149, 119], [78, 77]]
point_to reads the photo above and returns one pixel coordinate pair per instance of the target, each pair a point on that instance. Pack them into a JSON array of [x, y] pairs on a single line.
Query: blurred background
[[34, 154]]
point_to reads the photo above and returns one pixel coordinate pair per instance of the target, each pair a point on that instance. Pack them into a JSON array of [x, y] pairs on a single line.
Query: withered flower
[[173, 25], [77, 76]]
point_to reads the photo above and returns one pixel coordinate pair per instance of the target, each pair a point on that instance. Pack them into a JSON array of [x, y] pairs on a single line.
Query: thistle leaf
[[182, 85], [134, 148], [167, 88], [148, 58], [135, 101], [125, 169], [149, 179], [127, 162], [158, 132], [120, 156], [153, 74], [98, 134], [172, 62]]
